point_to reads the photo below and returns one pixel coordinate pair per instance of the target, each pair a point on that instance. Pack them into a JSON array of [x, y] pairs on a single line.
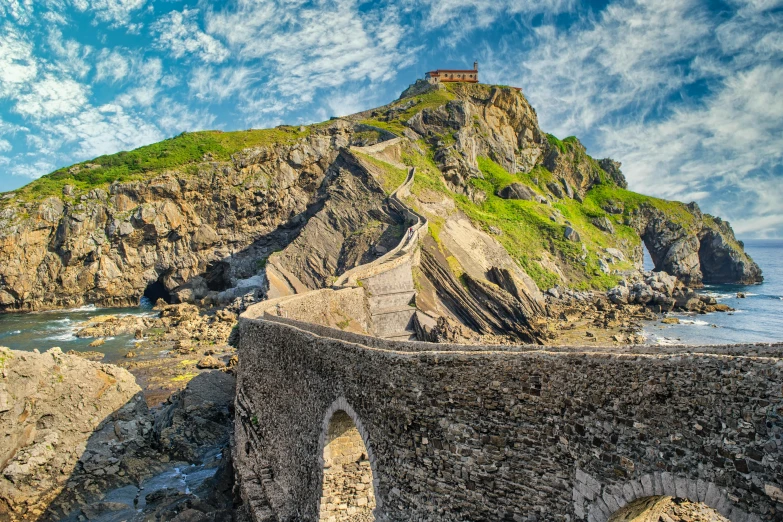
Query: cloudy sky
[[687, 94]]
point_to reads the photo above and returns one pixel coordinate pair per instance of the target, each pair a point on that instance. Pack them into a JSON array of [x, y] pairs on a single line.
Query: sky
[[687, 94]]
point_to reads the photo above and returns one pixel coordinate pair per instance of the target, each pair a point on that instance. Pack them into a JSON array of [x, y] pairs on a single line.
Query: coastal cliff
[[210, 217]]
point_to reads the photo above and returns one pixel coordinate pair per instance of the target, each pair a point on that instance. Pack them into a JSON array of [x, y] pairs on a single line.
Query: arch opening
[[666, 509], [348, 490], [154, 291], [649, 263]]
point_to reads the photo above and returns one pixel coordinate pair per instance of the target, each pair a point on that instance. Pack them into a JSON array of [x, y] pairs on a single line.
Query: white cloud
[[115, 12], [105, 130], [178, 32], [315, 46], [32, 168], [111, 65], [18, 64], [462, 15], [174, 117], [214, 86], [20, 10], [51, 97], [72, 56], [5, 145]]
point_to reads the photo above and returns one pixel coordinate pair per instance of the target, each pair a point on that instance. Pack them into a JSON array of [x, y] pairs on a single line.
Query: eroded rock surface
[[50, 405]]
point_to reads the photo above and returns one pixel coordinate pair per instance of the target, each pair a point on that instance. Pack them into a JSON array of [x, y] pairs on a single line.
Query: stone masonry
[[508, 433], [347, 484]]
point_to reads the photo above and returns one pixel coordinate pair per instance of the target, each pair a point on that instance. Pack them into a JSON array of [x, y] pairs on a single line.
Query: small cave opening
[[218, 276], [154, 291]]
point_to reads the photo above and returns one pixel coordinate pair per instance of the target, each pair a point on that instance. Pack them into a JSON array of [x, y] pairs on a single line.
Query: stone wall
[[456, 433]]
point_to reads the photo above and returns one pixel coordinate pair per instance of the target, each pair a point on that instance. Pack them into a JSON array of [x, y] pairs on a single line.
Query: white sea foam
[[720, 296], [667, 341], [62, 337], [85, 308], [694, 321]]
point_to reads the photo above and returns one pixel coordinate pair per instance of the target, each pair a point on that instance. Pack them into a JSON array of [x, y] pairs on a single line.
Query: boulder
[[603, 223], [209, 363], [518, 191], [72, 397], [571, 235], [555, 189]]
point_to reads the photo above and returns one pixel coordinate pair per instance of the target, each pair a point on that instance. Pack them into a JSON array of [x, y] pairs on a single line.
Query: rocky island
[[447, 216]]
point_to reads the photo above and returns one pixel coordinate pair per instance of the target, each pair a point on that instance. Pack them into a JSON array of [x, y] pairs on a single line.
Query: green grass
[[527, 228], [555, 142], [632, 201], [181, 153], [391, 176]]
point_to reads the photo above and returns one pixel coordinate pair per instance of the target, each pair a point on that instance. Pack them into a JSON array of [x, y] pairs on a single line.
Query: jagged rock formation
[[73, 429], [698, 249], [293, 211], [50, 404], [345, 232]]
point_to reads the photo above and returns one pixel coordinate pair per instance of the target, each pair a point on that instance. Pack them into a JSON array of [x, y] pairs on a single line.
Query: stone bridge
[[333, 425]]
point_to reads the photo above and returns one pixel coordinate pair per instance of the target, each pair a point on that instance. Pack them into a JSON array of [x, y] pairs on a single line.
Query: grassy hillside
[[181, 153], [532, 232]]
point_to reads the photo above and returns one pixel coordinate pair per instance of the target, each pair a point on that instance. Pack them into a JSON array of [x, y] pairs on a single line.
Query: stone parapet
[[514, 433]]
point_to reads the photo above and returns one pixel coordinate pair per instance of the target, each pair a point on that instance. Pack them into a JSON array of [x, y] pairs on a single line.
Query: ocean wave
[[61, 337], [720, 296], [14, 332], [667, 341], [694, 321], [85, 308]]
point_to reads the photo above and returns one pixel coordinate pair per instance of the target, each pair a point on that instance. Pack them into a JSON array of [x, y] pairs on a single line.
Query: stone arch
[[596, 502], [342, 427]]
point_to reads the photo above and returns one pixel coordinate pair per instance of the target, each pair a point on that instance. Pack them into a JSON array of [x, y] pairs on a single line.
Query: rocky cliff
[[208, 217], [79, 442], [50, 404]]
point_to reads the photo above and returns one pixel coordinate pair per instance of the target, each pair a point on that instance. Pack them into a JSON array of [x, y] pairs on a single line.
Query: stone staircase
[[388, 281], [390, 295]]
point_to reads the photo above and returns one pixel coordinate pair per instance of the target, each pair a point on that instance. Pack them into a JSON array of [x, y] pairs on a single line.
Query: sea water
[[44, 330], [758, 317]]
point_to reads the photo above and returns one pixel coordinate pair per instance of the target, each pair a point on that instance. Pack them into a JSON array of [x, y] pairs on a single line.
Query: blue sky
[[685, 93]]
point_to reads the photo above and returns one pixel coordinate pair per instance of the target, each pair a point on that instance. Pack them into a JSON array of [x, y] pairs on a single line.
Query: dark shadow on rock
[[169, 463]]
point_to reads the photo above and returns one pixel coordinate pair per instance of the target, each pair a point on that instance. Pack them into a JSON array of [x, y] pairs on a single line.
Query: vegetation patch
[[182, 153], [391, 177]]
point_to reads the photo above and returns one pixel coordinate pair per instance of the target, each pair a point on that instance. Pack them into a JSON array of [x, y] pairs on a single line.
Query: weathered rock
[[51, 404], [517, 191], [572, 235], [209, 363], [603, 223], [198, 418], [612, 168]]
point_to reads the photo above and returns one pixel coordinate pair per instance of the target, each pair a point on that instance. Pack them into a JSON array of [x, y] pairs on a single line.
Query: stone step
[[389, 300], [393, 310], [398, 279], [392, 321], [407, 335]]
